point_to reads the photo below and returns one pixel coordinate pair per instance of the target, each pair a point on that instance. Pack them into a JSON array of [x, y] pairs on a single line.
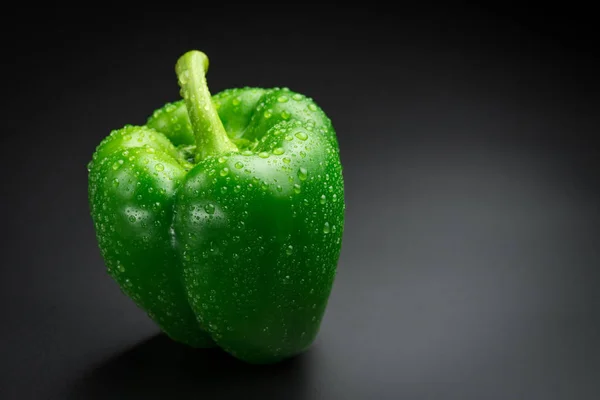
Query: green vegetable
[[222, 217]]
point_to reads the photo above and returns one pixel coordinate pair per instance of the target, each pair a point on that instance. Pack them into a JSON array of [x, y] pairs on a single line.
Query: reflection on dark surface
[[160, 368]]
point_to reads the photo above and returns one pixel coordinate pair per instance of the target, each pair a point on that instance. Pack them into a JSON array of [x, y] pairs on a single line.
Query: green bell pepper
[[222, 217]]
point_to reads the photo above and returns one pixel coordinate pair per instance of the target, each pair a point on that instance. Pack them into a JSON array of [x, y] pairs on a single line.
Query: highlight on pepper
[[222, 217]]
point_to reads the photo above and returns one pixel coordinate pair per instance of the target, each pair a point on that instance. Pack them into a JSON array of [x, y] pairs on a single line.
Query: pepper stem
[[211, 137]]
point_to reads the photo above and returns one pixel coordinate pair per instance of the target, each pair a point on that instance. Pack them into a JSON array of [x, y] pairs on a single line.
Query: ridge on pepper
[[222, 217]]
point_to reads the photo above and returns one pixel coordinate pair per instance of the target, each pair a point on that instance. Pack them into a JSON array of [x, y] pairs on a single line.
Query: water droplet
[[159, 167], [279, 188], [263, 154], [326, 228], [224, 171], [297, 188], [236, 101], [224, 189], [297, 97], [286, 160], [301, 135], [209, 208], [312, 107], [323, 199], [237, 188], [239, 165], [247, 153], [282, 99], [302, 173], [289, 250], [285, 115], [132, 218], [183, 78], [278, 151], [268, 114], [222, 159], [116, 182], [289, 138]]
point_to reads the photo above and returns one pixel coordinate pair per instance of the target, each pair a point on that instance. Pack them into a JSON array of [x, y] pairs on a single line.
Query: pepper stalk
[[211, 137]]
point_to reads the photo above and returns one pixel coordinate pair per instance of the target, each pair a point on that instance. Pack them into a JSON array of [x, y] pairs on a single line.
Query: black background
[[470, 261]]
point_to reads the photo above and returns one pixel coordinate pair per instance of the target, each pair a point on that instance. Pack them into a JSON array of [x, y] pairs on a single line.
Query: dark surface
[[470, 262]]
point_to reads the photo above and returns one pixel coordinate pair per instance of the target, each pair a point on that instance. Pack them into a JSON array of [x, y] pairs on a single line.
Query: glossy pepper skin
[[222, 217]]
